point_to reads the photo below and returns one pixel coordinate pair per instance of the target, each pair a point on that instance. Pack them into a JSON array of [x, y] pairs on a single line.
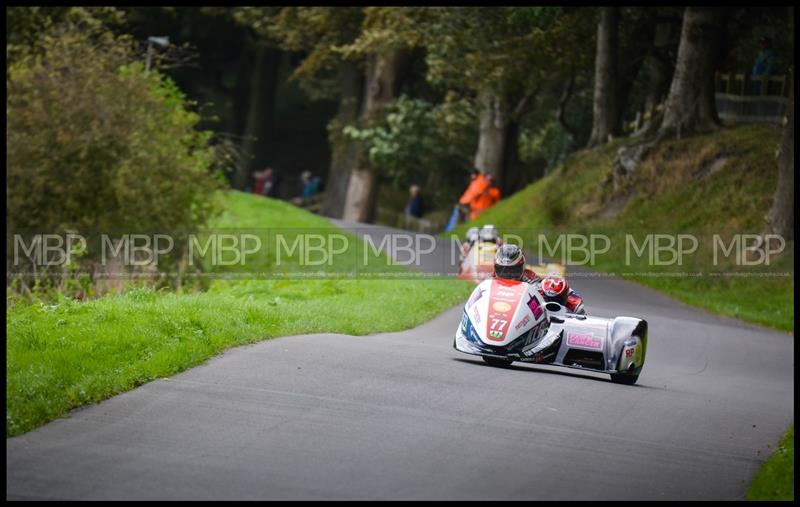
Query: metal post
[[149, 55], [161, 41]]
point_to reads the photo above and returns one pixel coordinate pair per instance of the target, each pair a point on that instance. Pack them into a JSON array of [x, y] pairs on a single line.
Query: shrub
[[96, 144]]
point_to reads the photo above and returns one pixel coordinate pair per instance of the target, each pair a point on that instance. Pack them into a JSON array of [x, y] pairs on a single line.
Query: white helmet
[[489, 233], [472, 234]]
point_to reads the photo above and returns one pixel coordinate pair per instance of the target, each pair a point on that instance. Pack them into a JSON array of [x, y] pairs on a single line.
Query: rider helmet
[[509, 262], [555, 288], [473, 234], [489, 233]]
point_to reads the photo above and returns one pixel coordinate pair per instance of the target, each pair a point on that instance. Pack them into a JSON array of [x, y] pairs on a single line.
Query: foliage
[[95, 143], [405, 143], [506, 49], [26, 25], [144, 334], [384, 29], [550, 143], [415, 137], [457, 125], [316, 32]]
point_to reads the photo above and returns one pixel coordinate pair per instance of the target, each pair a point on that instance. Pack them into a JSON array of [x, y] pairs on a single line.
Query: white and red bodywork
[[477, 263], [508, 320]]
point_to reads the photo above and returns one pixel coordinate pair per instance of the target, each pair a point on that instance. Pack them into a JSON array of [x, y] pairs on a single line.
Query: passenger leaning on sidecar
[[509, 263]]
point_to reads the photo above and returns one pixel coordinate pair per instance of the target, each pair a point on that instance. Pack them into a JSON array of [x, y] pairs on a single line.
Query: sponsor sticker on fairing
[[585, 340], [500, 306], [501, 312], [522, 323], [475, 297], [535, 307], [508, 296]]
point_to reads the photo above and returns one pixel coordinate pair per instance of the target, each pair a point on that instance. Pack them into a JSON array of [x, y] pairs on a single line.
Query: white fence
[[742, 98]]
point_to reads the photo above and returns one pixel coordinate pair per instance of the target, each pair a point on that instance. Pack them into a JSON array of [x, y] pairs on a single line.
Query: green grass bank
[[775, 480], [65, 354], [716, 184]]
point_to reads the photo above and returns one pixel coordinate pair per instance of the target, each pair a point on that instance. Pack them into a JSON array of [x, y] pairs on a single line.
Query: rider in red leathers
[[509, 263]]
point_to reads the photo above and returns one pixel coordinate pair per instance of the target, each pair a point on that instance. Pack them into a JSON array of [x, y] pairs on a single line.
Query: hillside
[[720, 183]]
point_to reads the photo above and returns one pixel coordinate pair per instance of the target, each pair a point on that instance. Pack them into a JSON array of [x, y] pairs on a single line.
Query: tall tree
[[382, 72], [323, 72], [386, 37], [780, 219], [690, 106], [500, 56], [636, 42], [259, 108], [658, 68], [494, 122], [343, 151], [605, 116]]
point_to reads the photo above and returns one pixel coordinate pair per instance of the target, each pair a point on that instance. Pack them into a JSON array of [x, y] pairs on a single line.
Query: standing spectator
[[260, 180], [270, 186], [477, 186], [765, 64], [305, 176], [311, 185], [308, 188], [415, 207], [489, 197]]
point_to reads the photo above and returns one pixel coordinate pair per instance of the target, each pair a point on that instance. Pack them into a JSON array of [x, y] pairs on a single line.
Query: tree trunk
[[659, 66], [659, 71], [605, 83], [625, 82], [690, 105], [511, 179], [343, 149], [244, 168], [658, 74], [361, 190], [492, 135], [561, 113], [382, 72], [780, 219]]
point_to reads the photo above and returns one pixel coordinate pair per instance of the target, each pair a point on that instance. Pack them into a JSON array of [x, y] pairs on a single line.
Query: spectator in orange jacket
[[488, 198], [477, 186]]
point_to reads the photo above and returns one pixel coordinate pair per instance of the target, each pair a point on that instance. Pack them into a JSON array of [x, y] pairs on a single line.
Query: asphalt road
[[405, 416]]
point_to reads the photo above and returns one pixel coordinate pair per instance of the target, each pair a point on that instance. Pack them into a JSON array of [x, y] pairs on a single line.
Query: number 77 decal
[[499, 323]]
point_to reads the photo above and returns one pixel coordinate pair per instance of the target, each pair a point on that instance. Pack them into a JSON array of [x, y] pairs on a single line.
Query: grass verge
[[67, 354], [775, 480], [720, 183]]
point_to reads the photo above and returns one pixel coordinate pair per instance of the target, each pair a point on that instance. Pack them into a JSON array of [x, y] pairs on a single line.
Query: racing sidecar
[[507, 320]]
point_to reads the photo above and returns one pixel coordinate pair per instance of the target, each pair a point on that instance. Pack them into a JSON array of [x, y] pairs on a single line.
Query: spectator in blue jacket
[[765, 63], [415, 206]]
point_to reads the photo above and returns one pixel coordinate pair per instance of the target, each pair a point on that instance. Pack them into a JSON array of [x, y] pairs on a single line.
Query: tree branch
[[522, 106], [562, 106]]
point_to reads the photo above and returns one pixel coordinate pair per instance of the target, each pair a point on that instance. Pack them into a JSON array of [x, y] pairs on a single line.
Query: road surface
[[404, 416]]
